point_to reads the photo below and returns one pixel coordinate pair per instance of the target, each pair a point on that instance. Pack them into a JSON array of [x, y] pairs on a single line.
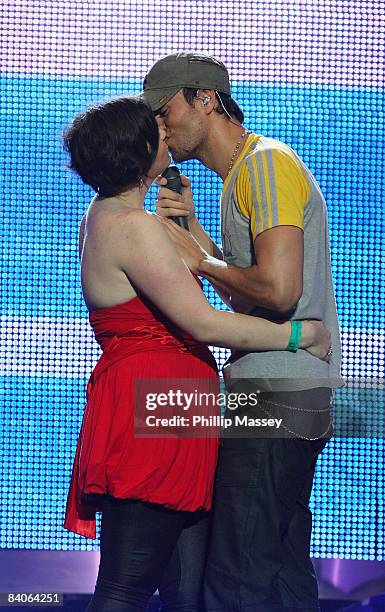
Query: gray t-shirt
[[271, 186]]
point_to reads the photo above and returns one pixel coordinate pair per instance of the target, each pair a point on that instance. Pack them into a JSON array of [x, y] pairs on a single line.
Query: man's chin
[[179, 156]]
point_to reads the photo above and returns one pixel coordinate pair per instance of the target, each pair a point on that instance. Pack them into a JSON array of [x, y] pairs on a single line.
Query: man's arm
[[275, 281], [271, 191], [214, 251], [204, 239]]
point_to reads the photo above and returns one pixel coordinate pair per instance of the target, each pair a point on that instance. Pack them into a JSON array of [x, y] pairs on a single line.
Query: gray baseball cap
[[186, 69]]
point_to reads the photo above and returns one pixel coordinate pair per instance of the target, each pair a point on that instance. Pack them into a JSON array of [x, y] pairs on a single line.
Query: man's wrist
[[208, 265], [201, 266]]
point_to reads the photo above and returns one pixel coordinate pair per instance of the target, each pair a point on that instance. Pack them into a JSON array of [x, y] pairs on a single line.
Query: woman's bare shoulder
[[115, 222], [135, 223]]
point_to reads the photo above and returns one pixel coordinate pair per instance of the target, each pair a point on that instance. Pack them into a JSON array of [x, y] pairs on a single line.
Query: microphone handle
[[174, 183], [182, 222]]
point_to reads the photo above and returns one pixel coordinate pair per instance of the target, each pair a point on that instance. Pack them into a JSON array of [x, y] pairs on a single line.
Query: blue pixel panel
[[292, 72]]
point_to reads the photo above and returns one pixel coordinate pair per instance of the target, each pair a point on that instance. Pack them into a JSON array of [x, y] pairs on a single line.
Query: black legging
[[145, 546]]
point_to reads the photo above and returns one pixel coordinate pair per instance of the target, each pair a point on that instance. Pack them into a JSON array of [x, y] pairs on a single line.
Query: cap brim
[[159, 97]]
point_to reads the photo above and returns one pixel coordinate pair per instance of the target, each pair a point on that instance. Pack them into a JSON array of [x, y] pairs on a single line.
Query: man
[[276, 264]]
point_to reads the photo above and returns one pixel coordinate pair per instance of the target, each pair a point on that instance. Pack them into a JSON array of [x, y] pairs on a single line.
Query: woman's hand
[[172, 204], [316, 339]]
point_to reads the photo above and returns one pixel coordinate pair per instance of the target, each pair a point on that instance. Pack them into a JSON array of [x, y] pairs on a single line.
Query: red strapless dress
[[138, 343]]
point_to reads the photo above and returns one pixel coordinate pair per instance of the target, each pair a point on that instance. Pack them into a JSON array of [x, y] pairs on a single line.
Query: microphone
[[174, 183]]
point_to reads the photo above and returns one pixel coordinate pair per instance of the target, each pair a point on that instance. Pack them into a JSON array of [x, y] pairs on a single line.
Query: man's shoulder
[[265, 143], [273, 155]]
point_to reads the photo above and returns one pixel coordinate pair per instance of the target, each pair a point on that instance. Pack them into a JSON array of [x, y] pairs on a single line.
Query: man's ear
[[207, 98]]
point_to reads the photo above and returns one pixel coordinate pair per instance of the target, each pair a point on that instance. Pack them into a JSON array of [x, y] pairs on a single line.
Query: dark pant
[[145, 546], [259, 552]]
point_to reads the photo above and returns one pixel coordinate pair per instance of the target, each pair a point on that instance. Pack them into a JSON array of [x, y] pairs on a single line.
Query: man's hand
[[172, 204], [188, 248]]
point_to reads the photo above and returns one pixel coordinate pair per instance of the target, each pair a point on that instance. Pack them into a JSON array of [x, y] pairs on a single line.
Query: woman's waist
[[149, 336], [124, 345]]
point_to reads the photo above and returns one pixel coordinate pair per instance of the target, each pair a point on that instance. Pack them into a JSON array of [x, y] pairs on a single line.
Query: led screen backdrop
[[308, 73]]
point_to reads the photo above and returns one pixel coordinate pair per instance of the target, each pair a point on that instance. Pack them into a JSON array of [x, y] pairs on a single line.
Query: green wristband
[[295, 336]]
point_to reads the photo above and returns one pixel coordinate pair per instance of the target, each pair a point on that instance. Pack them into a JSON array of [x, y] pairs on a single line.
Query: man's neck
[[224, 145]]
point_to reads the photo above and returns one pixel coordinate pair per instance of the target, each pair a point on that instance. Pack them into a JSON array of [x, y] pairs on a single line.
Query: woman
[[152, 321]]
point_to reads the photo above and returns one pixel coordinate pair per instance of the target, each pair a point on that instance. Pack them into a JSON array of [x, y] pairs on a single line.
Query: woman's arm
[[146, 254]]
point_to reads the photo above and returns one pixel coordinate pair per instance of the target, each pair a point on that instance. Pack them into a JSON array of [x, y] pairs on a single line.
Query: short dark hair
[[226, 104], [113, 144]]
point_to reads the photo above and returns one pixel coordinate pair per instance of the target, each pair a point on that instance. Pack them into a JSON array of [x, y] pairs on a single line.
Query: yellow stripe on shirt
[[272, 188]]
